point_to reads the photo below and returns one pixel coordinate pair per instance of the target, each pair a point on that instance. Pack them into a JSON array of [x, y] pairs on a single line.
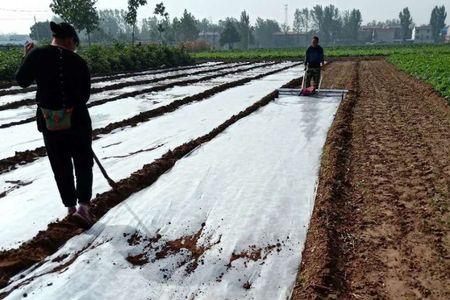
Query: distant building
[[446, 34], [388, 35], [365, 34], [384, 35], [422, 34], [14, 39], [212, 38]]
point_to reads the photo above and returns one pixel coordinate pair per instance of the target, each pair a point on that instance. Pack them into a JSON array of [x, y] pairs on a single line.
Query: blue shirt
[[314, 57]]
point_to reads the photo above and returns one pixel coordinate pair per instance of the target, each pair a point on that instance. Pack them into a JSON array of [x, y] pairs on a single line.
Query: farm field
[[189, 112], [122, 151], [331, 51], [430, 67], [204, 184], [228, 190], [381, 226], [426, 62], [104, 105]]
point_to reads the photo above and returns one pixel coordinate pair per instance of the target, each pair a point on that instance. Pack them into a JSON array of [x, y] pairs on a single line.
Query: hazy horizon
[[17, 17]]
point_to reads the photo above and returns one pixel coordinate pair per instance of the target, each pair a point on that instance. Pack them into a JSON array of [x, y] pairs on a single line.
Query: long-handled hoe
[[111, 182], [114, 186]]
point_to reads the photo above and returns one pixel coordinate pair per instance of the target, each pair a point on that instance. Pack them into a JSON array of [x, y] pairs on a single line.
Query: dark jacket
[[314, 57], [63, 80]]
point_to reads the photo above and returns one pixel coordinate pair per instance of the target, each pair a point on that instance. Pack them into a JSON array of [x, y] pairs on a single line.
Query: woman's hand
[[28, 47]]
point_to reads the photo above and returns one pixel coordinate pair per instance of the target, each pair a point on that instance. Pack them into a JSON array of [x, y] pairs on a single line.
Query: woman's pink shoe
[[83, 215], [71, 210]]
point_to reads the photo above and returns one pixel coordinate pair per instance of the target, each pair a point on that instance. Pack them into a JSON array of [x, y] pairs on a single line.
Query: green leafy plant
[[109, 59]]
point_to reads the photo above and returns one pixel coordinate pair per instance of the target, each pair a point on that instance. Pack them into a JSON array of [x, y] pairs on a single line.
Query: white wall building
[[422, 34]]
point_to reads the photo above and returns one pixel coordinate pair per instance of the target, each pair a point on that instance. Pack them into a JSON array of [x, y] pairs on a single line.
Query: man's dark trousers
[[314, 75], [63, 147]]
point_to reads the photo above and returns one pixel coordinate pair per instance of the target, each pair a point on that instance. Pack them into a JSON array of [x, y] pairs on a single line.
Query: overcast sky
[[17, 16]]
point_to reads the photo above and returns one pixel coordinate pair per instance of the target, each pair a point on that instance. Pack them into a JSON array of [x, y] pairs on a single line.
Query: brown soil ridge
[[131, 94], [25, 157], [103, 78], [49, 241], [122, 75], [385, 234], [31, 101], [319, 256], [176, 76]]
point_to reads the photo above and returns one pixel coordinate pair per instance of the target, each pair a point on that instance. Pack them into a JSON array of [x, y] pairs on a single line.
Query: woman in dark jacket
[[63, 89]]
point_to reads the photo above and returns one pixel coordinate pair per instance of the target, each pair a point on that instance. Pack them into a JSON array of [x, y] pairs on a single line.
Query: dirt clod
[[137, 260], [247, 285]]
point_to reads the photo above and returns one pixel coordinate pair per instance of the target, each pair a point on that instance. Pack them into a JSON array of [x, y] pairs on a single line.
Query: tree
[[351, 23], [40, 31], [131, 15], [285, 28], [150, 32], [245, 30], [302, 21], [406, 23], [188, 27], [110, 22], [264, 31], [230, 35], [437, 22], [163, 21], [80, 13], [205, 26], [387, 23], [112, 26], [328, 22]]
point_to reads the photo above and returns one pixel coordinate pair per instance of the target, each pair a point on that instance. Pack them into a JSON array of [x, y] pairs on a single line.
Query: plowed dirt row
[[24, 157], [47, 242], [14, 89], [381, 225], [137, 88], [123, 152], [29, 99]]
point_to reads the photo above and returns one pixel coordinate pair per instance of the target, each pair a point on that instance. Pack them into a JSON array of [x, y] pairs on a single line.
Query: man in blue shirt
[[313, 63]]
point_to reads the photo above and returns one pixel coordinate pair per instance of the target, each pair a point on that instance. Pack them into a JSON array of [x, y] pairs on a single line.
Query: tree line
[[334, 25], [106, 26]]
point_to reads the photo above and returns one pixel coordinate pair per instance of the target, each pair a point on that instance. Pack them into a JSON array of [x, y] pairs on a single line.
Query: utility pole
[[286, 17], [37, 30]]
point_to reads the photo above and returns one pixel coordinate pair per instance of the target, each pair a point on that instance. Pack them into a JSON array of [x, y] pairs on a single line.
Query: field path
[[381, 226]]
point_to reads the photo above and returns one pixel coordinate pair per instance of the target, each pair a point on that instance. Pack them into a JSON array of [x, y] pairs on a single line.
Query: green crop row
[[433, 68], [104, 60], [338, 51], [9, 63], [430, 63]]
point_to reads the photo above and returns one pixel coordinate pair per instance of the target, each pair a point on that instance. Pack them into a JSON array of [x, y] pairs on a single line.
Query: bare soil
[[156, 88], [381, 225], [119, 75], [50, 240], [24, 157]]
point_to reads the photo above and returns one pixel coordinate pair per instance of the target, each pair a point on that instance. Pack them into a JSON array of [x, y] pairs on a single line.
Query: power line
[[16, 19], [25, 10], [286, 14]]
